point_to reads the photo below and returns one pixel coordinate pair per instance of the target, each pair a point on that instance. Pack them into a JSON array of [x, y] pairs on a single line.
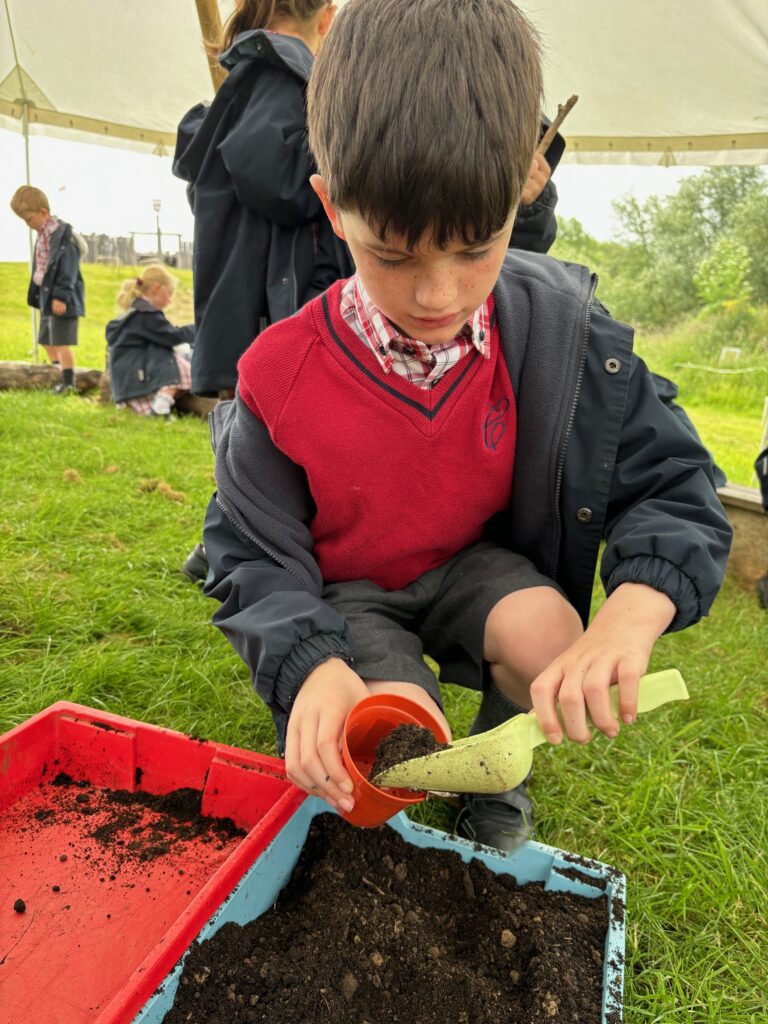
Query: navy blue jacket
[[141, 345], [598, 457], [262, 243], [62, 279]]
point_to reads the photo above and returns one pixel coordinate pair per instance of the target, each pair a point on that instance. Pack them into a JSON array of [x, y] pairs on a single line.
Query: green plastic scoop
[[500, 759]]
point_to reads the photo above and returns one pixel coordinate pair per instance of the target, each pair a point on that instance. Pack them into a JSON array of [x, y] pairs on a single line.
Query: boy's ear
[[331, 212]]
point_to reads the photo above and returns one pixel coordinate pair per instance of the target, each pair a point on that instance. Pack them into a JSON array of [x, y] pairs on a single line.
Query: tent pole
[[32, 311], [210, 26]]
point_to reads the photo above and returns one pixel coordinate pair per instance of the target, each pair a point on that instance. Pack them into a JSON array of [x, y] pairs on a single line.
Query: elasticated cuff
[[665, 577], [304, 657]]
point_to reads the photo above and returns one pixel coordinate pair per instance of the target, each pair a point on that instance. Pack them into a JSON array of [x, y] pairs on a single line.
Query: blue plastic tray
[[533, 862]]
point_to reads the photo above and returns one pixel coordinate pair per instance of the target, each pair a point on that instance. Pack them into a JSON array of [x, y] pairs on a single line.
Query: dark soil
[[403, 744], [131, 827], [372, 929]]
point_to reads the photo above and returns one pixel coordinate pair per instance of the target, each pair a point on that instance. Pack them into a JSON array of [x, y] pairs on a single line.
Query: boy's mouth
[[435, 321]]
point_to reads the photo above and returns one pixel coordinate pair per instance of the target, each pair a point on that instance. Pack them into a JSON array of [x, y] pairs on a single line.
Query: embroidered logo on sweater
[[495, 425]]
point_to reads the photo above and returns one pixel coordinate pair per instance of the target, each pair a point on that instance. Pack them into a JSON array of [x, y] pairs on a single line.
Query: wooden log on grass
[[19, 376], [748, 560]]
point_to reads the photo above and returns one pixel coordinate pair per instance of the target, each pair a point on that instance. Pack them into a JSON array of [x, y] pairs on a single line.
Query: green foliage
[[749, 228], [722, 278], [649, 277], [689, 353]]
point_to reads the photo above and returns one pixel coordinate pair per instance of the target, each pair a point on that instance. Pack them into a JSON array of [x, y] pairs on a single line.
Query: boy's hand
[[538, 176], [58, 308], [615, 648], [312, 757]]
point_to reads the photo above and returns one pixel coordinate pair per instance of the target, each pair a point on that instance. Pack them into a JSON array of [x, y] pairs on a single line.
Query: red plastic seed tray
[[114, 893]]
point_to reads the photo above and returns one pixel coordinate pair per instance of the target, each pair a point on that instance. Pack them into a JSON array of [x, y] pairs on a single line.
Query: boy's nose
[[436, 293]]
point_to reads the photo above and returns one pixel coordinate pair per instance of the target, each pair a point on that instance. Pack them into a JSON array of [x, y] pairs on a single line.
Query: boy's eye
[[479, 255], [389, 263]]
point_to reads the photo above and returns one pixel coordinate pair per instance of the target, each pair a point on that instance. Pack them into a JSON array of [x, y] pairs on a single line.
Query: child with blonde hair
[[56, 287], [147, 365]]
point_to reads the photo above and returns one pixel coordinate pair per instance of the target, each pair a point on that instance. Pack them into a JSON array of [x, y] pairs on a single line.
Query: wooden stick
[[563, 109]]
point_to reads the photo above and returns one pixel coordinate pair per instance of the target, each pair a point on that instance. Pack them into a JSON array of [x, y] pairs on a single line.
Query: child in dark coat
[[148, 356], [427, 457], [262, 243], [56, 287]]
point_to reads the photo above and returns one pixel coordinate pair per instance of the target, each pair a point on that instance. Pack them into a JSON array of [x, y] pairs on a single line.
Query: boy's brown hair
[[424, 114], [28, 199]]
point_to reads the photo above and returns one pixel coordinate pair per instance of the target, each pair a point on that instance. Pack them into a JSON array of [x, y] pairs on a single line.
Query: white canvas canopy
[[658, 82]]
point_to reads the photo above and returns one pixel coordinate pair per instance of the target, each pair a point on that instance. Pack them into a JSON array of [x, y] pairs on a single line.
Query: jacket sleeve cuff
[[302, 659], [666, 578]]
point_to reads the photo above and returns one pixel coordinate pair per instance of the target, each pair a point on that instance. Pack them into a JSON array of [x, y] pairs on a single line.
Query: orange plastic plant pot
[[367, 724]]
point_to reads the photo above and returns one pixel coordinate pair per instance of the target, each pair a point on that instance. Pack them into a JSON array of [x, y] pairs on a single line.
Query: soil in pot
[[372, 929], [403, 744]]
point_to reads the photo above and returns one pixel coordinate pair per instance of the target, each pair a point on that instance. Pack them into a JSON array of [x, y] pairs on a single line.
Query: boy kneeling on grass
[[56, 287], [427, 457]]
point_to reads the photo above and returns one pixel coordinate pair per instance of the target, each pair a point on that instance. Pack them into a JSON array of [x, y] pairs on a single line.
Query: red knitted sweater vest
[[402, 478]]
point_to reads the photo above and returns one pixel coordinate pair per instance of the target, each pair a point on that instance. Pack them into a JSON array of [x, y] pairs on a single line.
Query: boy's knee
[[528, 629]]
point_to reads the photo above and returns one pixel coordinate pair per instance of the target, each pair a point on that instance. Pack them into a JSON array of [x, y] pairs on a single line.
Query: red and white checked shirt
[[423, 365], [43, 249]]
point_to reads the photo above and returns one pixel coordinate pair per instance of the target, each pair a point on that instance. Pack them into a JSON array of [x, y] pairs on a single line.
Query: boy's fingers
[[544, 692], [629, 673], [317, 759], [572, 705], [293, 766], [336, 778], [597, 681]]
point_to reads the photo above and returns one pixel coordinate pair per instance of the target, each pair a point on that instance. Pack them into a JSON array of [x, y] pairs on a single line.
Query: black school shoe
[[502, 820], [195, 567]]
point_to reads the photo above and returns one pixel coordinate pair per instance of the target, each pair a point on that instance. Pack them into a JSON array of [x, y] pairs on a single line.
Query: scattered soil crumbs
[[130, 827], [372, 929], [403, 744]]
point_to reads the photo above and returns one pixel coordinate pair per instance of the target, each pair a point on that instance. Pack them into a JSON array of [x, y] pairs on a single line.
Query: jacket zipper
[[259, 544], [569, 428], [293, 272]]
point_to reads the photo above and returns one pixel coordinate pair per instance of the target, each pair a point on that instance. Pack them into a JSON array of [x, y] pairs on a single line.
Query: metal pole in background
[[156, 204], [32, 310]]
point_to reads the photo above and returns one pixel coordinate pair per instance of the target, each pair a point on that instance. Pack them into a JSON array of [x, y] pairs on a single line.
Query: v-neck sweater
[[402, 479]]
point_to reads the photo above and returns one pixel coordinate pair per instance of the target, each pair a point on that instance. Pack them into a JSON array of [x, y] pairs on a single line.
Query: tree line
[[705, 248]]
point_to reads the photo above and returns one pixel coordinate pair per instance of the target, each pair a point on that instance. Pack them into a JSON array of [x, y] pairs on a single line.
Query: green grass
[[94, 610], [102, 284], [725, 408], [691, 354]]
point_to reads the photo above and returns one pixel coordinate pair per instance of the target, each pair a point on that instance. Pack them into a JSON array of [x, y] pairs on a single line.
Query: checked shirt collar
[[43, 249], [423, 365]]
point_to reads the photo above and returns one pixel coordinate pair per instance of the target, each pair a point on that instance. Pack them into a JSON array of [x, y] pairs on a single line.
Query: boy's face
[[427, 293], [36, 219]]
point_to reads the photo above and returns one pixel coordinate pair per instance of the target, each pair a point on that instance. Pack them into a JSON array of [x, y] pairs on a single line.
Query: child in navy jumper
[[427, 457]]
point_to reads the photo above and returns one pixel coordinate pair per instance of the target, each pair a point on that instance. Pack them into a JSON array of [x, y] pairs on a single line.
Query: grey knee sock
[[495, 708]]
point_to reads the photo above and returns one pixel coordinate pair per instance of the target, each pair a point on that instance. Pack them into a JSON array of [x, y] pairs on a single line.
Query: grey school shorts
[[57, 330], [442, 614]]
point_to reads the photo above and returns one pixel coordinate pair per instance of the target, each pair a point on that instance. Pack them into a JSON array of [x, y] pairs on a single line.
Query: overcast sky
[[107, 190]]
